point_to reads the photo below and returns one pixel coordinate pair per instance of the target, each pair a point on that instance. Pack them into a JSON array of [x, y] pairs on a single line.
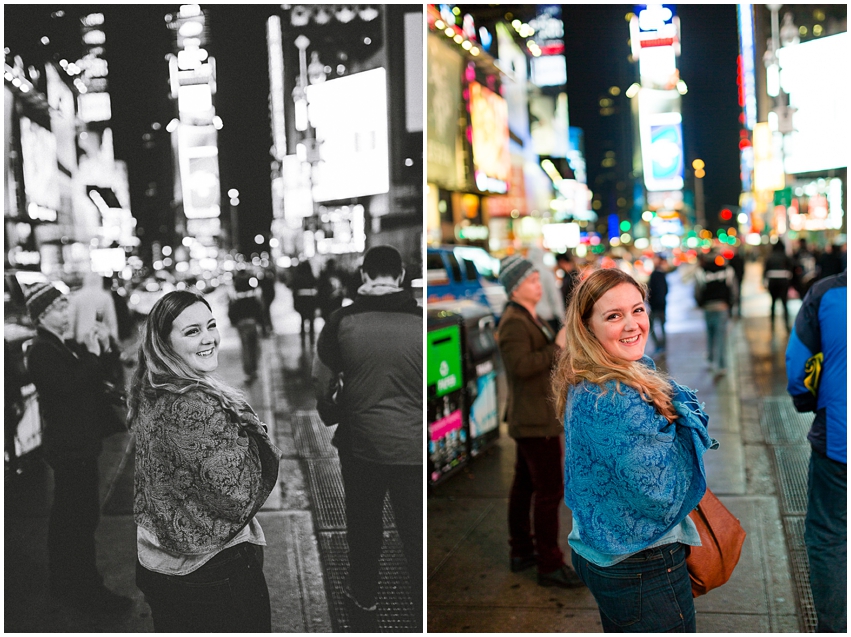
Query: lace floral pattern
[[630, 476], [199, 475]]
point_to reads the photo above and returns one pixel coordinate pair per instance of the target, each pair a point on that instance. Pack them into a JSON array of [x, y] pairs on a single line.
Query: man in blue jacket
[[816, 364]]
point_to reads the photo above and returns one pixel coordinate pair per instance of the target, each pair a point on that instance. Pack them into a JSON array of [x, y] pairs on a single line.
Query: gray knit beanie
[[513, 270]]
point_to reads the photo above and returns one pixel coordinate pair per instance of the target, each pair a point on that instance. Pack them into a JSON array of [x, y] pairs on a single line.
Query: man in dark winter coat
[[777, 275], [245, 312], [657, 288], [570, 276], [529, 349], [716, 282], [69, 378], [376, 346]]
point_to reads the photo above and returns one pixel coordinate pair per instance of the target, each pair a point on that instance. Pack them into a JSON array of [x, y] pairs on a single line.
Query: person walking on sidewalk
[[634, 442], [551, 306], [376, 345], [817, 366], [204, 467], [529, 347], [570, 276], [68, 377], [715, 285], [245, 312], [657, 293], [777, 274]]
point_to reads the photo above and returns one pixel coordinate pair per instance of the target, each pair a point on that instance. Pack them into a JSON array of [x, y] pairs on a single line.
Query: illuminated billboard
[[38, 150], [443, 97], [350, 118], [198, 157], [660, 127], [489, 123], [811, 73]]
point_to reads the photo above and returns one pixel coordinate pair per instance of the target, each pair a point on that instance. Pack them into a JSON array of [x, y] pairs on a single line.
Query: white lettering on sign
[[445, 383], [484, 368], [444, 368]]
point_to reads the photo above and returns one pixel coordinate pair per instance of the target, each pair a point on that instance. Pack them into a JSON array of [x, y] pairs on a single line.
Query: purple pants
[[538, 472]]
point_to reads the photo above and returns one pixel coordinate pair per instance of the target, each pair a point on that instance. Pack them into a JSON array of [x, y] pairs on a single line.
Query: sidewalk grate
[[781, 423], [312, 437], [792, 464], [326, 488], [794, 527], [395, 605]]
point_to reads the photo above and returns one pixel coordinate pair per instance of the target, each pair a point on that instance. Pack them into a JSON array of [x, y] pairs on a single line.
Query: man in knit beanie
[[69, 379], [529, 348]]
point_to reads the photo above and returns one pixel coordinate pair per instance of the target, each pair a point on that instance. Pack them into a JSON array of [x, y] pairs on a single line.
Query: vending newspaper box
[[481, 365], [447, 422]]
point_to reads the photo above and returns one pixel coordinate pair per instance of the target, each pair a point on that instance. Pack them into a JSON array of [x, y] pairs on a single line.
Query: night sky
[[596, 50], [137, 42]]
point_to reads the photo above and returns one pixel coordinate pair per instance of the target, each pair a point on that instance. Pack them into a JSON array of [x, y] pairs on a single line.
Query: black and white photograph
[[214, 318]]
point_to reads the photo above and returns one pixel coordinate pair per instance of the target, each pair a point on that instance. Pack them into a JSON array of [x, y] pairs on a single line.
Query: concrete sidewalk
[[759, 472]]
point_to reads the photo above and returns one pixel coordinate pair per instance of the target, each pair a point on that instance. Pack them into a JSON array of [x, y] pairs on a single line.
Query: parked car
[[464, 272]]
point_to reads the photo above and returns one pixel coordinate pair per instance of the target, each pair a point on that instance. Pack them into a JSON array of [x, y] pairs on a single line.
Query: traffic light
[[726, 214]]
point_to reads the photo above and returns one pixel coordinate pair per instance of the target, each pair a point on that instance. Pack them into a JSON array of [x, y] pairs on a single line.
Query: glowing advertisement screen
[[662, 151], [489, 123], [350, 118], [199, 171], [484, 412], [443, 96], [38, 150], [815, 76]]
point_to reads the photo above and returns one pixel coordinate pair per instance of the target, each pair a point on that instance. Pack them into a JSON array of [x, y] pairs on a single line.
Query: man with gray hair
[[529, 348]]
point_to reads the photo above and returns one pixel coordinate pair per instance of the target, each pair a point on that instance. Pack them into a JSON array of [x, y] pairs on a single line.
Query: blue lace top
[[631, 477]]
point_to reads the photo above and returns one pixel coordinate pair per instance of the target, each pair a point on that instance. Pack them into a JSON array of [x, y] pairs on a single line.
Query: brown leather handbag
[[722, 536]]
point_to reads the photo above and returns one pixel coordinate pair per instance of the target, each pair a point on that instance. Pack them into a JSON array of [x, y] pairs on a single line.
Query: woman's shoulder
[[192, 405]]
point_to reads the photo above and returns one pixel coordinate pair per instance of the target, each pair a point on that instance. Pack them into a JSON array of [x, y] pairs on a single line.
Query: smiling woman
[[204, 467], [634, 445]]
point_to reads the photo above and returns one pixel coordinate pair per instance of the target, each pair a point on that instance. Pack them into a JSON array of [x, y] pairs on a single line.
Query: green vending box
[[447, 422]]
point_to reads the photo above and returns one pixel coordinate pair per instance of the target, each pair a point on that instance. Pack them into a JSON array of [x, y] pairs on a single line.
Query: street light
[[699, 174]]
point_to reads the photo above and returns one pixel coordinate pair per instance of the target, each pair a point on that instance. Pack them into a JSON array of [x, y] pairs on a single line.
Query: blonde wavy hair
[[159, 367], [584, 358]]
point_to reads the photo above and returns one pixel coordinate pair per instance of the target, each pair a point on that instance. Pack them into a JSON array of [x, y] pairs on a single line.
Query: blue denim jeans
[[826, 535], [227, 594], [716, 337], [647, 592]]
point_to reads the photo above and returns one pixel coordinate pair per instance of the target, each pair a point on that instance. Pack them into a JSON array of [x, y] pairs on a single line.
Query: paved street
[[304, 520], [759, 472]]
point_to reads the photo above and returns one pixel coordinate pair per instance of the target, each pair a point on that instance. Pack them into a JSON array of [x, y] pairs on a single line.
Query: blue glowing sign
[[654, 17], [666, 151], [747, 70]]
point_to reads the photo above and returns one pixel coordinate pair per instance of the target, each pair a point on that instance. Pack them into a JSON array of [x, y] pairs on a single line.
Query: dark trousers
[[779, 292], [365, 484], [73, 521], [649, 592], [250, 345], [826, 537], [538, 473], [658, 316], [226, 595]]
